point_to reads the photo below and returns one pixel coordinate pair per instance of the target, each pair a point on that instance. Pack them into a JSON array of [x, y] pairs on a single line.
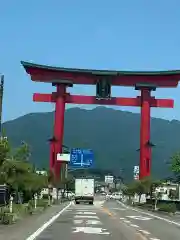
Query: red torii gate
[[65, 77]]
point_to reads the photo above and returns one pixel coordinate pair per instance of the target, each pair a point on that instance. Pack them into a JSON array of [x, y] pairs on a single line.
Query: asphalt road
[[89, 222], [152, 226]]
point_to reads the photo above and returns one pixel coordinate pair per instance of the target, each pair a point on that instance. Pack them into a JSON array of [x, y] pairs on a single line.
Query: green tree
[[139, 188], [153, 194], [17, 172], [129, 191], [173, 194], [175, 163], [22, 153], [4, 150]]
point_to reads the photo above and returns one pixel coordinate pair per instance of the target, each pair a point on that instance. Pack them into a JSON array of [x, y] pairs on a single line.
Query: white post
[[11, 204], [155, 201], [49, 194], [35, 200], [49, 200], [66, 170]]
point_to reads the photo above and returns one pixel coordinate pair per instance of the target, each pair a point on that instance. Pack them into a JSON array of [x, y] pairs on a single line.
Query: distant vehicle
[[84, 190], [69, 194], [116, 196], [103, 193], [108, 196]]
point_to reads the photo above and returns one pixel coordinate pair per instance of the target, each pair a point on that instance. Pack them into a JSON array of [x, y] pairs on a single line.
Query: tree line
[[17, 172]]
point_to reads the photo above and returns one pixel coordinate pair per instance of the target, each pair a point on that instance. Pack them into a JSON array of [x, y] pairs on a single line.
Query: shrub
[[167, 207], [30, 206], [45, 196], [8, 218], [42, 203]]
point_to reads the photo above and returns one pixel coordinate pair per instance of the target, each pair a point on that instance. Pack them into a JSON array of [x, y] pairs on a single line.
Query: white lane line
[[121, 218], [84, 216], [93, 222], [150, 214], [119, 209], [80, 210], [87, 222], [126, 221], [134, 225], [91, 230], [78, 221], [46, 224], [154, 239], [144, 231], [86, 213], [139, 218]]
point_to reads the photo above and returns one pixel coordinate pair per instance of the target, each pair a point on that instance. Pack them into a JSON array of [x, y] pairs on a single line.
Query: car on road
[[108, 196], [116, 196], [69, 194], [103, 193]]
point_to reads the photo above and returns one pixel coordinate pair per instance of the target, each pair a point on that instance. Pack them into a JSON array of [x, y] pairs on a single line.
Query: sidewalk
[[22, 229]]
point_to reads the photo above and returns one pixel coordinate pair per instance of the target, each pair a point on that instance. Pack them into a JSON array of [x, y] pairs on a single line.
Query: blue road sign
[[81, 158]]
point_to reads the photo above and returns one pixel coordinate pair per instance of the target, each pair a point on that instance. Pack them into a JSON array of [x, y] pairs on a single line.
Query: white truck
[[84, 190]]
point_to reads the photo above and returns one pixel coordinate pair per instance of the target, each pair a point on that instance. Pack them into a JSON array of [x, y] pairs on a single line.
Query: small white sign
[[64, 157], [136, 172], [136, 169], [109, 179]]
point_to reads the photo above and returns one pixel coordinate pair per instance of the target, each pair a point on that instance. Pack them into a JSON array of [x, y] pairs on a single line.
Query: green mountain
[[112, 134]]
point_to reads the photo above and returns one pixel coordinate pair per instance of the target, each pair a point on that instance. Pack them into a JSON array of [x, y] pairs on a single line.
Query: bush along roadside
[[20, 211], [6, 217], [167, 208]]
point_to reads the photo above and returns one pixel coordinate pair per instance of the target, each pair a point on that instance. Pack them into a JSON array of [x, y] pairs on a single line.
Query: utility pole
[[1, 101]]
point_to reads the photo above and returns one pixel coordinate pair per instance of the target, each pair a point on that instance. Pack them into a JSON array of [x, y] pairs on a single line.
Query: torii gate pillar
[[59, 124], [145, 129], [56, 144]]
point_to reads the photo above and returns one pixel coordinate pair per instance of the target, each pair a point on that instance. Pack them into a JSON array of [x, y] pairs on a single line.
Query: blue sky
[[100, 34]]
